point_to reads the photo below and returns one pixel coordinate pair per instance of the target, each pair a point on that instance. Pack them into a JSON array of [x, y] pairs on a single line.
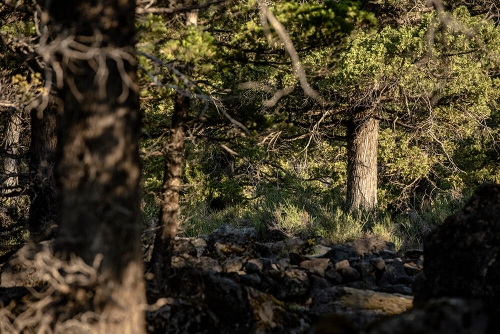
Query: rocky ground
[[232, 282]]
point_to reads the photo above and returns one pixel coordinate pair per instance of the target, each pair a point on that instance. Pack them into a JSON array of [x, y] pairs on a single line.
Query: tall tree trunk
[[362, 144], [11, 147], [169, 211], [97, 170], [43, 209]]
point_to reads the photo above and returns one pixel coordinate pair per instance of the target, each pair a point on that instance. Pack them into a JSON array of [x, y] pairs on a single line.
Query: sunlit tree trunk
[[362, 144], [169, 211], [43, 208], [97, 170]]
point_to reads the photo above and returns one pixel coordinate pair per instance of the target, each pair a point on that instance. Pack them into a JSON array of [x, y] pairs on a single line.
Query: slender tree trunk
[[362, 136], [97, 171], [43, 209], [11, 146], [169, 211]]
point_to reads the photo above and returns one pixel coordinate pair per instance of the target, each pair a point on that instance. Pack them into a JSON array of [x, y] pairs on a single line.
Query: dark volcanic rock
[[395, 273], [341, 252], [349, 274], [252, 280], [180, 316], [228, 242], [364, 268], [318, 284], [254, 266], [461, 256], [333, 276], [294, 285], [442, 316], [378, 263], [228, 301]]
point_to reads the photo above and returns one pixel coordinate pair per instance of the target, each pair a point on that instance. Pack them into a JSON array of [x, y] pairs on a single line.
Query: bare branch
[[298, 68]]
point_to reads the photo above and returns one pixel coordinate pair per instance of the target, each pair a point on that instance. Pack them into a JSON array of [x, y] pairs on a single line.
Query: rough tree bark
[[97, 169], [169, 211], [362, 144], [11, 147], [43, 208]]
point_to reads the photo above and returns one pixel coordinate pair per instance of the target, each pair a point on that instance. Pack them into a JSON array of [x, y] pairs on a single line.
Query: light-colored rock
[[378, 263], [233, 265], [342, 264], [317, 251], [360, 306], [389, 304], [316, 266]]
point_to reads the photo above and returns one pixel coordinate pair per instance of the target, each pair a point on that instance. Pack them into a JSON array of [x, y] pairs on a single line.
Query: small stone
[[296, 258], [349, 274], [233, 265], [283, 263], [318, 283], [394, 273], [298, 274], [342, 264], [254, 266], [267, 283], [378, 263], [316, 266], [333, 276], [252, 280], [341, 252], [364, 268], [294, 284], [288, 246], [367, 283], [387, 254], [412, 269], [207, 264], [199, 242], [276, 274], [267, 263]]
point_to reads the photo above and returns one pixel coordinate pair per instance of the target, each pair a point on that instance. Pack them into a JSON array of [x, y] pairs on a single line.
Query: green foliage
[[441, 91], [433, 83]]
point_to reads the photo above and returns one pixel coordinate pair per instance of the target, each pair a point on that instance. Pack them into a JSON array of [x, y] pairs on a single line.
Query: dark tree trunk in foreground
[[98, 156], [169, 211], [362, 144], [43, 209]]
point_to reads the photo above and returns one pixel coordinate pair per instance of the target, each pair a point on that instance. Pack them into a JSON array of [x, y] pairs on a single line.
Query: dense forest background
[[263, 110], [159, 119]]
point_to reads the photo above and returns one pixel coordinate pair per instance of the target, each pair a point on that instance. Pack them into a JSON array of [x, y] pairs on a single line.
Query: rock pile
[[245, 286], [230, 282]]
